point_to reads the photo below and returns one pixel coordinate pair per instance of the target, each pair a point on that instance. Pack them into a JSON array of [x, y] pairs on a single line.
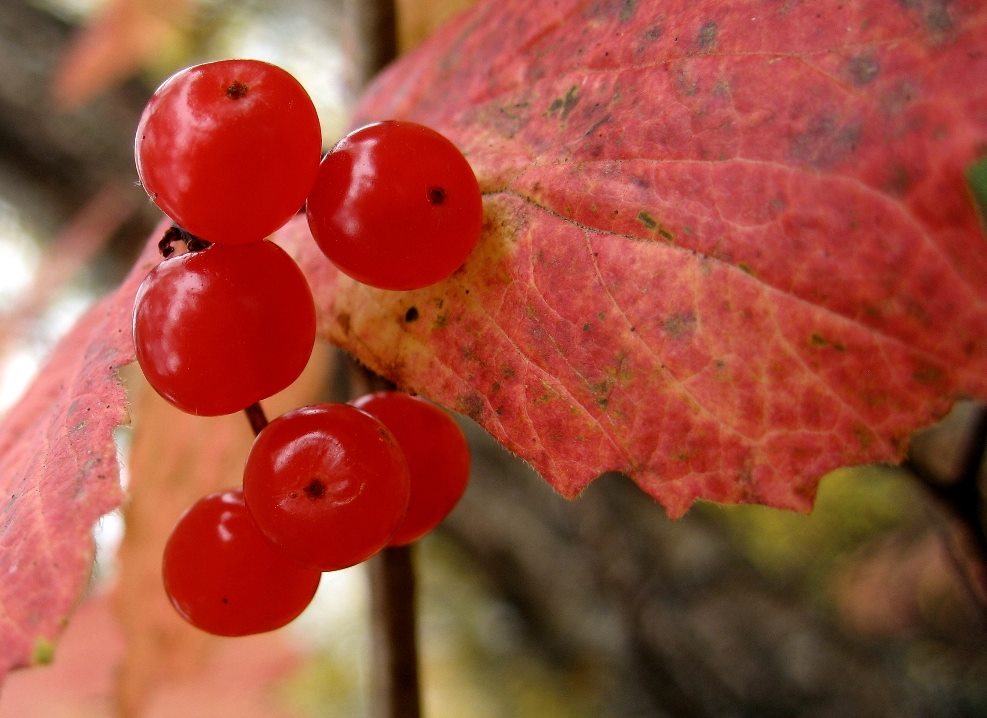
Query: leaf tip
[[43, 652]]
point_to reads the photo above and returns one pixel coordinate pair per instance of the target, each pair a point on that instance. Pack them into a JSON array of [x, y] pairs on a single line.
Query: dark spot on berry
[[315, 489], [436, 195], [237, 90], [226, 601], [411, 315]]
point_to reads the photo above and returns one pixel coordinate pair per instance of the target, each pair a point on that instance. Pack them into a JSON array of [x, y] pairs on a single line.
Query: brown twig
[[395, 683], [395, 635]]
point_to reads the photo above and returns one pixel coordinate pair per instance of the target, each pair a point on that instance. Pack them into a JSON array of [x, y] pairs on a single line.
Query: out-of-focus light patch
[[19, 258], [70, 10], [123, 438], [109, 530], [26, 354], [107, 533], [19, 254], [18, 369], [307, 47], [337, 618], [61, 316]]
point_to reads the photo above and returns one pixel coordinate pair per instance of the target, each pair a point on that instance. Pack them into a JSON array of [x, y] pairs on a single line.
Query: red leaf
[[728, 246], [59, 474]]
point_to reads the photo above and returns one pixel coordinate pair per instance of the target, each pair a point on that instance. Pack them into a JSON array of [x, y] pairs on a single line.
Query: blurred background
[[529, 605]]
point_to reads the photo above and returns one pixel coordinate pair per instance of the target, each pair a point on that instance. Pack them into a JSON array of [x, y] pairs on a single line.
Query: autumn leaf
[[728, 247], [59, 474], [241, 678]]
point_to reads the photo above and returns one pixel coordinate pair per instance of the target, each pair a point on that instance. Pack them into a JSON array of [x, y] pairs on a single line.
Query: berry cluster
[[230, 151]]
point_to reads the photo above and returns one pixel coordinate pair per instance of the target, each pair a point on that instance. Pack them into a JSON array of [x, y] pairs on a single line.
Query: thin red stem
[[256, 417]]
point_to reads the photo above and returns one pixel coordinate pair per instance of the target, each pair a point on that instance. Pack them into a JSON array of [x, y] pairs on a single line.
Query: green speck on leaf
[[43, 653], [565, 104], [818, 340], [976, 179], [627, 10], [864, 437], [928, 375], [645, 218]]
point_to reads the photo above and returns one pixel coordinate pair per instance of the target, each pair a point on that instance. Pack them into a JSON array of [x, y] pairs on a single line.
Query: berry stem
[[394, 630], [256, 417]]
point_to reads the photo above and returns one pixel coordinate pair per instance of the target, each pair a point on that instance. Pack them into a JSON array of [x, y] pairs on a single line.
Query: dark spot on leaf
[[654, 225], [680, 324], [237, 90], [862, 70], [627, 10], [564, 105], [818, 340], [864, 436], [344, 322], [825, 141], [472, 405], [647, 220], [411, 315], [928, 375], [899, 181], [440, 321], [706, 39]]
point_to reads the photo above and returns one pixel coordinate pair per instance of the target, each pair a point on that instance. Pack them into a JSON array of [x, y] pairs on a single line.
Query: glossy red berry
[[219, 329], [396, 206], [224, 577], [437, 455], [327, 483], [229, 150]]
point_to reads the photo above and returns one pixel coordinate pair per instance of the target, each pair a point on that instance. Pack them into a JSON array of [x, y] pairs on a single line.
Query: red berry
[[224, 577], [437, 455], [229, 150], [219, 329], [327, 483], [395, 206]]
